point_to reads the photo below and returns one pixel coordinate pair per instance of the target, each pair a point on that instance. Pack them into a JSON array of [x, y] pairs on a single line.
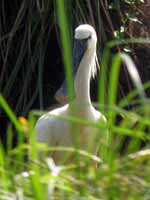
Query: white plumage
[[57, 132]]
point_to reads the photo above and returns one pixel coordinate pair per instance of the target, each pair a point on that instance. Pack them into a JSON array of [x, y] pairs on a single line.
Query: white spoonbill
[[57, 132]]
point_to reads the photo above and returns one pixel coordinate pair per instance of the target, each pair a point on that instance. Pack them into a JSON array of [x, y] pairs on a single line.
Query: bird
[[55, 131]]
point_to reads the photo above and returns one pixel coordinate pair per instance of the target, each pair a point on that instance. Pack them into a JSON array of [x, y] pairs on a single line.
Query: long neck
[[82, 79]]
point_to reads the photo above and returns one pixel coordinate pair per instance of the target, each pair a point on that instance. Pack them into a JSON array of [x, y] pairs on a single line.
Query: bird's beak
[[61, 94], [79, 49]]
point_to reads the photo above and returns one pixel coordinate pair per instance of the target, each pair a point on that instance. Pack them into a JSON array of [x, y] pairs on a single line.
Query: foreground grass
[[120, 175]]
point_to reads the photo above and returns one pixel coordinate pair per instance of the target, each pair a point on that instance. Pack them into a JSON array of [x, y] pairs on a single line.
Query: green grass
[[24, 176], [120, 173]]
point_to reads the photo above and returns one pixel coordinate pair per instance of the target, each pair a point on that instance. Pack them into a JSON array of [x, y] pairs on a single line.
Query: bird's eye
[[89, 37]]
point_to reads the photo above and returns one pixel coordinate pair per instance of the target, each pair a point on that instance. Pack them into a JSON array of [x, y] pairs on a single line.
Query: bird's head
[[85, 33]]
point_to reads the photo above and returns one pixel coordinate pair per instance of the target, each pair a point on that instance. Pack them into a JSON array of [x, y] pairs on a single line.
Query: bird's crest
[[95, 67]]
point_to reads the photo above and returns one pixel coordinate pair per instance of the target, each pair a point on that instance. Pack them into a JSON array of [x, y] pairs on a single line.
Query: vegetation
[[123, 170]]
